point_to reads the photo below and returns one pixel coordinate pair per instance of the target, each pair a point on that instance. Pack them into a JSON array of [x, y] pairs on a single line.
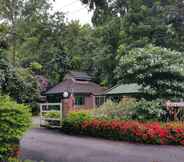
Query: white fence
[[174, 104], [51, 115]]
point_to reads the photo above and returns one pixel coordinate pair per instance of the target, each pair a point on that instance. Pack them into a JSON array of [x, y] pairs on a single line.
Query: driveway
[[53, 146]]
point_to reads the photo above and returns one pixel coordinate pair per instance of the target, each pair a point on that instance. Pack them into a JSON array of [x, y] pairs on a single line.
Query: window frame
[[80, 103]]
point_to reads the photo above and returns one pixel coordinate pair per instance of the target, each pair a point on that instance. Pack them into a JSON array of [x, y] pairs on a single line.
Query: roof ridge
[[70, 85]]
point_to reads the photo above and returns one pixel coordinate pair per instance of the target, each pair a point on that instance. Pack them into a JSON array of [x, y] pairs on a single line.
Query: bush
[[130, 109], [148, 111], [14, 121], [74, 120], [112, 110], [132, 131], [52, 114]]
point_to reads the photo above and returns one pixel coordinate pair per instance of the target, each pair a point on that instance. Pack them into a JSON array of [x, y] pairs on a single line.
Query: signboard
[[174, 104]]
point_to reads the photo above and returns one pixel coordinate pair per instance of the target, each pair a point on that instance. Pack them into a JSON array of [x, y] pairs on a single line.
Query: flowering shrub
[[132, 131]]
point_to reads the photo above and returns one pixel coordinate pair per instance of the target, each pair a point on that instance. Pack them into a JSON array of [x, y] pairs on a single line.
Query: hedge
[[132, 131], [14, 121]]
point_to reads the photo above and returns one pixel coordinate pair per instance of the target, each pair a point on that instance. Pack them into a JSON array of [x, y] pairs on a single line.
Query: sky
[[73, 10]]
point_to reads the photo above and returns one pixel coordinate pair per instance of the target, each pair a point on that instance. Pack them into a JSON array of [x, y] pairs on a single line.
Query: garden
[[125, 42], [130, 120]]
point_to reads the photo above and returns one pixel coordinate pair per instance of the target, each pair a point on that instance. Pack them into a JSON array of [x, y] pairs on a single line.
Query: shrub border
[[131, 131]]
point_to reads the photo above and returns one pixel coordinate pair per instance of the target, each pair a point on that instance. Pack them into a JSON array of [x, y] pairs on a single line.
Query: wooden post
[[40, 114], [61, 113]]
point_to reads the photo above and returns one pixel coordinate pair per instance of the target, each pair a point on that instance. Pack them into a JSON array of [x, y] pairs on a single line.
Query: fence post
[[40, 114], [61, 113]]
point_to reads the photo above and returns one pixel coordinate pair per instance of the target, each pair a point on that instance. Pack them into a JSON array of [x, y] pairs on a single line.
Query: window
[[100, 100], [79, 100]]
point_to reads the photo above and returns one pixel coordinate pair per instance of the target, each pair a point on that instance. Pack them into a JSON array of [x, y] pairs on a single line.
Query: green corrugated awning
[[124, 89]]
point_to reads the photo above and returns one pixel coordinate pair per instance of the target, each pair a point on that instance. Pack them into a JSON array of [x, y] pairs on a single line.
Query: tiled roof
[[74, 86], [80, 75], [124, 89]]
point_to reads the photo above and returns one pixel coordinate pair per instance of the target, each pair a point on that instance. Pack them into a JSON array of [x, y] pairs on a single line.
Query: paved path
[[53, 146]]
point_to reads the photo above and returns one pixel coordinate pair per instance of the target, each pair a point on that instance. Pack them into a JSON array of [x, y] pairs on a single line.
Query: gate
[[51, 115]]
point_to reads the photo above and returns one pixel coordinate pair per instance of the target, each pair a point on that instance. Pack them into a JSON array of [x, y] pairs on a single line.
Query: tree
[[35, 35], [18, 83], [145, 21], [159, 70], [10, 11], [41, 40], [175, 18], [105, 60], [102, 12]]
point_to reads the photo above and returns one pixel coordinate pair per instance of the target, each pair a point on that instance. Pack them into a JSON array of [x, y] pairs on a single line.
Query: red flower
[[179, 130], [138, 131]]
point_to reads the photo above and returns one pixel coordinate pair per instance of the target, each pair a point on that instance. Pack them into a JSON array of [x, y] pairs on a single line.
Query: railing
[[46, 112]]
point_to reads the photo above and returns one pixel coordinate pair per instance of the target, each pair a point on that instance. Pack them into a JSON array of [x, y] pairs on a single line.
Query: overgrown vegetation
[[15, 119], [122, 29], [130, 109]]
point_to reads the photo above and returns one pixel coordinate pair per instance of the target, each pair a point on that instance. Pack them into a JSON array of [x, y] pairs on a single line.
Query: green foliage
[[14, 121], [111, 110], [51, 114], [36, 67], [132, 24], [148, 111], [22, 86], [130, 109], [106, 110], [75, 118], [159, 70], [18, 83], [43, 42], [160, 21], [4, 68]]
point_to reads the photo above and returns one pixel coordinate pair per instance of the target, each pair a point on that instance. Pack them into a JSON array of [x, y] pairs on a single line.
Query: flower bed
[[132, 131]]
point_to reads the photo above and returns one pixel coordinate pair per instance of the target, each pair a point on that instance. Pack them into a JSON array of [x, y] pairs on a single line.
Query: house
[[120, 91], [82, 90]]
